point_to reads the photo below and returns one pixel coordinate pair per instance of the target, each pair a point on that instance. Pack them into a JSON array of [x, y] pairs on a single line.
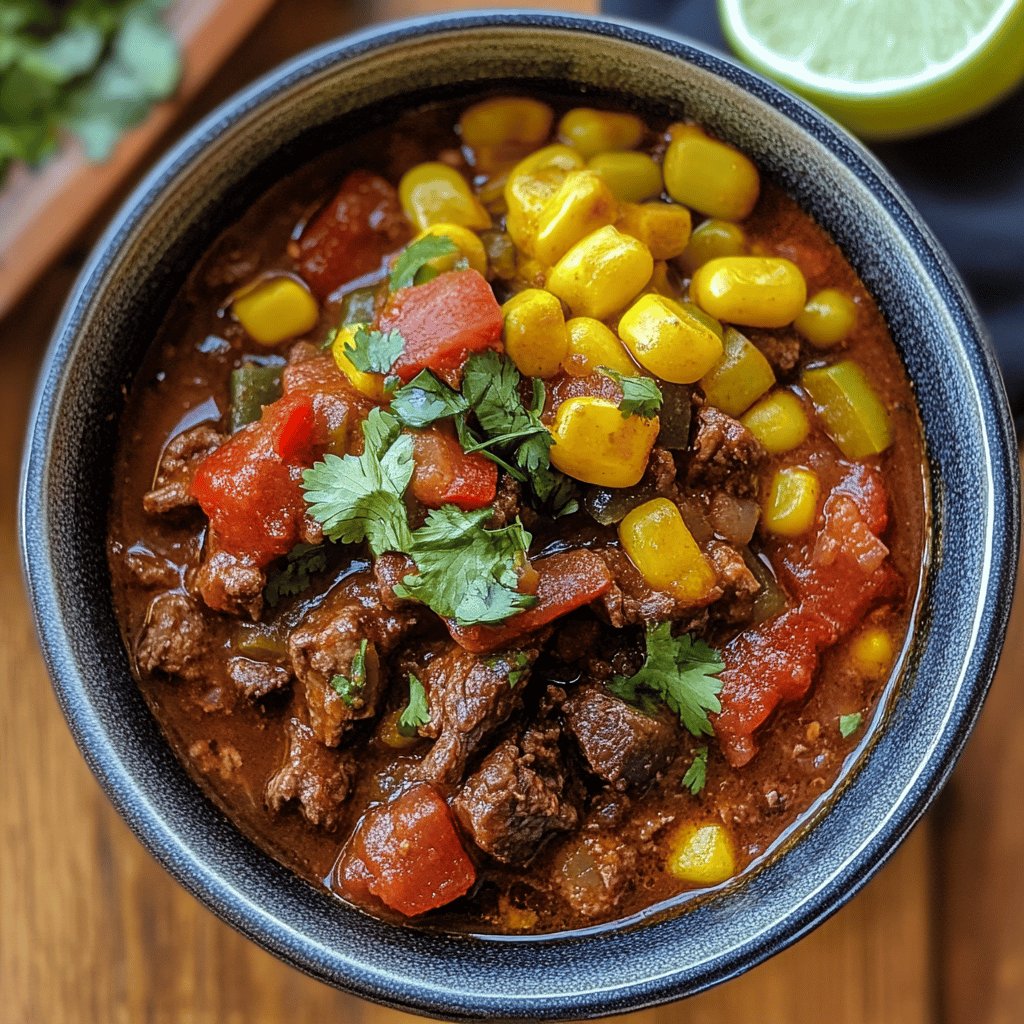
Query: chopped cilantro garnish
[[426, 399], [417, 711], [302, 562], [520, 667], [697, 774], [349, 688], [416, 256], [849, 724], [681, 671], [360, 497], [375, 351], [641, 396]]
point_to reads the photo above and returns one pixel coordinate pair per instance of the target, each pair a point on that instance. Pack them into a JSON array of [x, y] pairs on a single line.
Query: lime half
[[884, 68]]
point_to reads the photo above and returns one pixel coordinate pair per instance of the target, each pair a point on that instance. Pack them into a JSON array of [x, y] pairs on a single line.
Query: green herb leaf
[[849, 724], [349, 688], [373, 351], [302, 562], [681, 671], [417, 711], [424, 400], [520, 668], [359, 497], [697, 774], [641, 396], [466, 572], [416, 256]]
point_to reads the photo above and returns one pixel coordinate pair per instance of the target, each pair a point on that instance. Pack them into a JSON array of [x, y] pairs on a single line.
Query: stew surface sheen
[[694, 596]]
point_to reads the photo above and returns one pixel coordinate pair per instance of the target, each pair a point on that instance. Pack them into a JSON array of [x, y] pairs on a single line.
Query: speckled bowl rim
[[373, 977]]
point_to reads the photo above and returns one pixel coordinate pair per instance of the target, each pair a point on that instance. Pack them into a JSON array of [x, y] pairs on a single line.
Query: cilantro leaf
[[360, 497], [681, 671], [466, 572], [302, 562], [416, 256], [349, 688], [374, 351], [520, 667], [417, 711], [641, 396], [696, 776], [849, 724], [426, 399]]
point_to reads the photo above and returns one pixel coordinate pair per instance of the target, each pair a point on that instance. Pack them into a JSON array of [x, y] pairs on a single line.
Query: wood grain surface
[[92, 931]]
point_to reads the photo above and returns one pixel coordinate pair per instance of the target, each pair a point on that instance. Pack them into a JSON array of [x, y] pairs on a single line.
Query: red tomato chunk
[[444, 474]]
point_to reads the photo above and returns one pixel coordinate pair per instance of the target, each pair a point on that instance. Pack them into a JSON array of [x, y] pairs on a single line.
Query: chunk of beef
[[595, 874], [506, 502], [150, 570], [173, 638], [738, 584], [230, 583], [780, 348], [212, 756], [470, 696], [389, 570], [725, 454], [256, 679], [172, 487], [622, 745], [516, 799], [318, 777], [327, 641], [660, 475], [632, 601]]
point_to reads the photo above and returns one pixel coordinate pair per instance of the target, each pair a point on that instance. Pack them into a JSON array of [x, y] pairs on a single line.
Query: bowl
[[929, 707]]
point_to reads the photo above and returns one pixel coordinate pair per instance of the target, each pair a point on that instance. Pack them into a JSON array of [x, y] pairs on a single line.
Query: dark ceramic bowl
[[931, 704]]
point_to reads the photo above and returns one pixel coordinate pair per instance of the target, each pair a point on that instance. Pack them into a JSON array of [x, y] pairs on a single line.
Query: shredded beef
[[256, 679], [174, 637], [318, 777], [725, 454], [172, 488]]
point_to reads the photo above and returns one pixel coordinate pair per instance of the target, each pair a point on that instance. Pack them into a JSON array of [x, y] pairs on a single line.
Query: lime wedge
[[884, 68]]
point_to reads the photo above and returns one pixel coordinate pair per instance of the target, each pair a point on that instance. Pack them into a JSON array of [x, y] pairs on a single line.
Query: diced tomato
[[337, 406], [565, 582], [351, 236], [250, 486], [444, 474], [406, 853], [442, 321]]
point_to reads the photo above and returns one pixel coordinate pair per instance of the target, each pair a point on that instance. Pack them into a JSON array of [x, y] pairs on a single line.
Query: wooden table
[[92, 931]]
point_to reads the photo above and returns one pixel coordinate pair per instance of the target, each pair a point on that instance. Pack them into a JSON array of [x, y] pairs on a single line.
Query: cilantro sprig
[[350, 688], [303, 561], [681, 671], [374, 351], [425, 400], [641, 396], [696, 776], [416, 256], [417, 711]]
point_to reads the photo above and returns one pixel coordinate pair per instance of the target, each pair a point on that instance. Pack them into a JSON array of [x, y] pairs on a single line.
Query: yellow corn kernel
[[778, 421], [667, 339], [531, 183], [535, 335], [792, 502], [434, 193], [592, 344], [871, 652], [852, 412], [471, 249], [582, 204], [663, 281], [595, 443], [369, 384], [601, 273], [702, 854], [275, 309], [755, 291], [504, 121], [739, 378], [827, 318], [596, 131], [711, 240], [663, 227], [664, 551], [632, 177], [712, 177], [709, 321]]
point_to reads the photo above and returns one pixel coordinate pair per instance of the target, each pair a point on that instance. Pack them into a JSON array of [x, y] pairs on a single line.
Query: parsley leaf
[[849, 724], [696, 775], [360, 497], [681, 671], [417, 711], [466, 572], [349, 688], [303, 561], [426, 399], [641, 396], [416, 256], [373, 351]]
